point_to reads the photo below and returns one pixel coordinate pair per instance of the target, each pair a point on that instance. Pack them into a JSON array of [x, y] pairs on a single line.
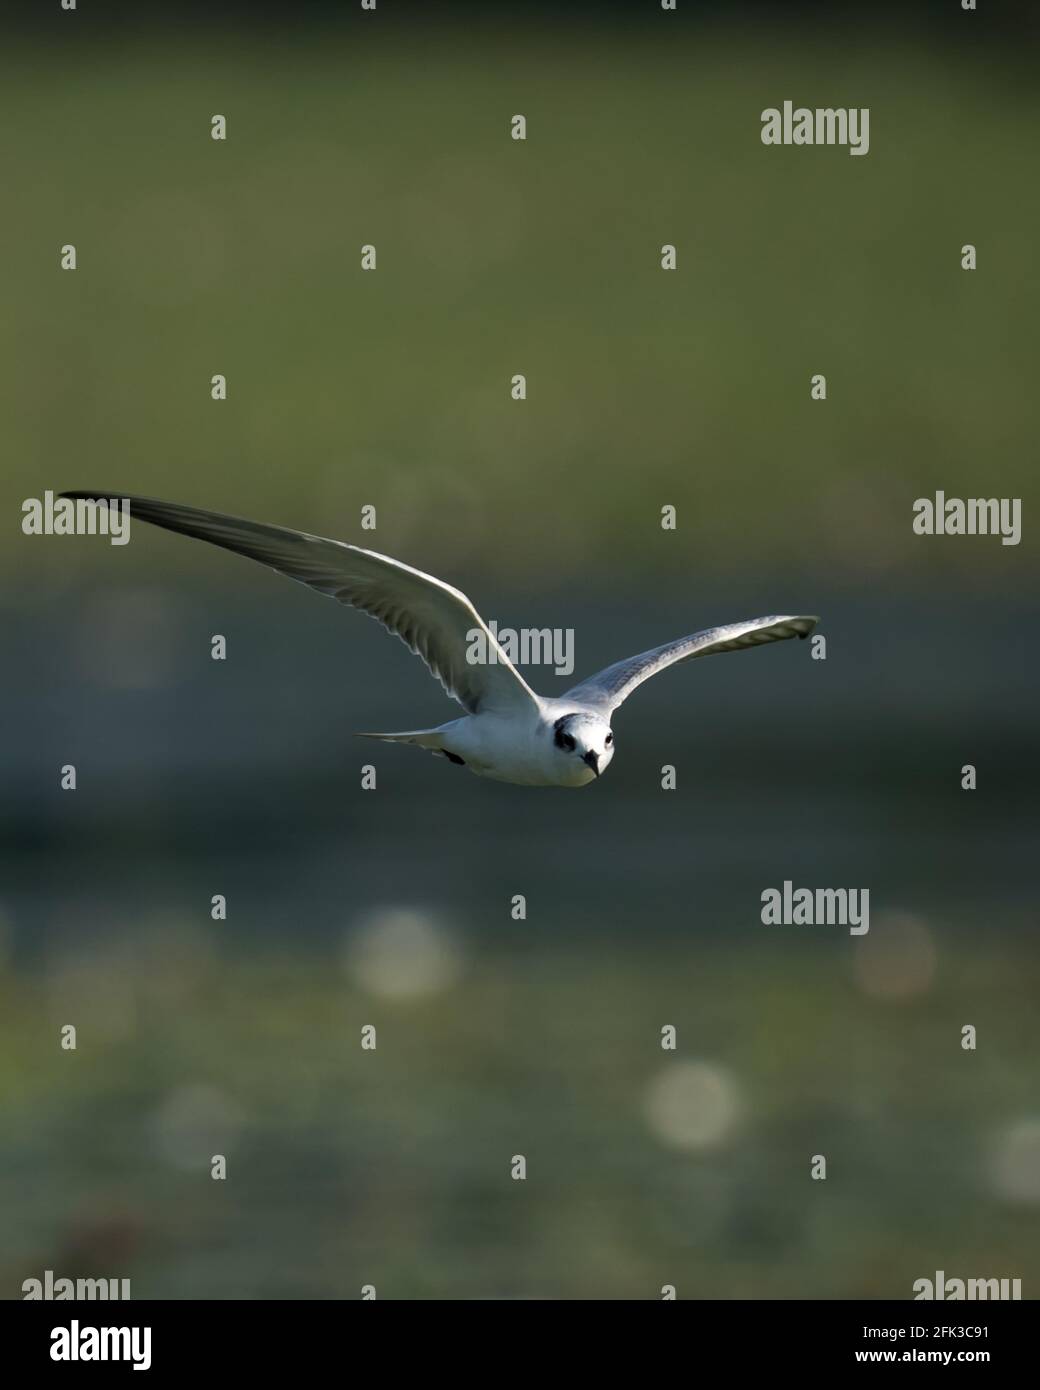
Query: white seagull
[[508, 732]]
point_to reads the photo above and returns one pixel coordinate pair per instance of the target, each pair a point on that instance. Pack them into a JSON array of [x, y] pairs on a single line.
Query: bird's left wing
[[434, 620], [608, 688]]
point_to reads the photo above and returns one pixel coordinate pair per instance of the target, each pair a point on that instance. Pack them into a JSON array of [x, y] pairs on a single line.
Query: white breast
[[511, 750]]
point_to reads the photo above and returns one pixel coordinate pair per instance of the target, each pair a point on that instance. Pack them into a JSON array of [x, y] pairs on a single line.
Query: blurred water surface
[[496, 1037]]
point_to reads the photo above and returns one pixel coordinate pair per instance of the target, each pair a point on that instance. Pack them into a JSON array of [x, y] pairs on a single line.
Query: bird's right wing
[[434, 620], [608, 688]]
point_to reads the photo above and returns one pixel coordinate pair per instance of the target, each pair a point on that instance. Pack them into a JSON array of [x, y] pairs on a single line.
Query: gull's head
[[586, 741]]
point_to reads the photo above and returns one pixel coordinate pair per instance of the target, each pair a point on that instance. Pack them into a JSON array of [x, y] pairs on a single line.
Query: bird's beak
[[592, 758]]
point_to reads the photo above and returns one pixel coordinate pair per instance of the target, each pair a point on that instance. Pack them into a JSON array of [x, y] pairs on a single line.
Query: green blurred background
[[392, 907]]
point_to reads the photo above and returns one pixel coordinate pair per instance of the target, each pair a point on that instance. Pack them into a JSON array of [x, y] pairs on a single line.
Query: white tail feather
[[422, 738]]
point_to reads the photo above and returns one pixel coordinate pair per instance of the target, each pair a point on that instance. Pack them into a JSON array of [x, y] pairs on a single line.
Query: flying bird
[[507, 732]]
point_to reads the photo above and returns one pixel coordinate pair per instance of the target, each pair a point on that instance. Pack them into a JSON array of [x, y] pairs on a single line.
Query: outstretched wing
[[607, 689], [434, 620]]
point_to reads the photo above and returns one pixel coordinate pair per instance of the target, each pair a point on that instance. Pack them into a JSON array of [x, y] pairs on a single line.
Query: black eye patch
[[560, 737]]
